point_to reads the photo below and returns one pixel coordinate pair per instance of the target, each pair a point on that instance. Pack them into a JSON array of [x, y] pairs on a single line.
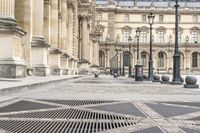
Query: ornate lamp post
[[130, 43], [138, 31], [138, 66], [150, 71], [176, 58]]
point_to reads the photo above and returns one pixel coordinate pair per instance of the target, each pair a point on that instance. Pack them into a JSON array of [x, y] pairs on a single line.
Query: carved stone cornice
[[146, 11]]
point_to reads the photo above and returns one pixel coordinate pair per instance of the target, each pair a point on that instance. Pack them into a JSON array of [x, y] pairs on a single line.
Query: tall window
[[179, 18], [101, 38], [195, 59], [195, 19], [99, 16], [126, 35], [144, 18], [161, 18], [144, 59], [161, 59], [143, 37], [161, 37], [126, 18], [126, 58], [194, 36]]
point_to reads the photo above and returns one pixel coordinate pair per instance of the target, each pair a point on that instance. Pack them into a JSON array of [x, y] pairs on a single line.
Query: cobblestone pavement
[[103, 105]]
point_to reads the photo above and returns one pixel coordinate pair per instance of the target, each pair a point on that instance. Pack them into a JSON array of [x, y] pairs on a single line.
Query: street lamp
[[138, 31], [176, 58], [150, 72], [130, 43], [138, 66]]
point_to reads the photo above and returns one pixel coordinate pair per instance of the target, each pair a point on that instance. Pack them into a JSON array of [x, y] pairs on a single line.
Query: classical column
[[85, 38], [11, 49], [47, 21], [107, 58], [7, 8], [70, 26], [54, 23], [39, 46], [64, 27]]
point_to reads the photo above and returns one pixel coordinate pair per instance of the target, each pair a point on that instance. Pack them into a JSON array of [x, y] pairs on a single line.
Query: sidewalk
[[32, 81]]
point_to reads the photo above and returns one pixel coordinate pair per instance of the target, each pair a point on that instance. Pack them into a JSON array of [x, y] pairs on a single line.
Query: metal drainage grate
[[123, 108], [68, 114], [18, 126], [23, 106], [78, 102], [194, 104]]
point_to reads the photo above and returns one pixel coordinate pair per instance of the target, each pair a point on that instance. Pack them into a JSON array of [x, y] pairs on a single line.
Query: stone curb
[[34, 85]]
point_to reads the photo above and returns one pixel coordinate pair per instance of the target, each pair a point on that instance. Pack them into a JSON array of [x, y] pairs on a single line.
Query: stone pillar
[[23, 15], [39, 52], [85, 49], [70, 27], [54, 23], [108, 59], [12, 63], [64, 26], [47, 21], [85, 34]]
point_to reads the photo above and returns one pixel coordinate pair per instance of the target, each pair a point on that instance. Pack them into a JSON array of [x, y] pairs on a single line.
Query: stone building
[[119, 19], [43, 37]]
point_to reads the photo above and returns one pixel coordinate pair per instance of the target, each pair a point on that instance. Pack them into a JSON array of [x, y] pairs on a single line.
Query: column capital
[[71, 4], [47, 2], [85, 17]]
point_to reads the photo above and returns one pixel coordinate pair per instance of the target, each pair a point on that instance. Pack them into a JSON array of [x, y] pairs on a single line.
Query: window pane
[[161, 18], [143, 37], [126, 35], [160, 37], [194, 36], [126, 18], [161, 59], [144, 18], [195, 60], [144, 59]]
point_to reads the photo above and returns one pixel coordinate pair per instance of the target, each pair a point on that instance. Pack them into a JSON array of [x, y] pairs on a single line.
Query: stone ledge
[[33, 85]]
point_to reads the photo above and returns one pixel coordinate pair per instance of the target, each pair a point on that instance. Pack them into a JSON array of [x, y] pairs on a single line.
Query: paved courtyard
[[101, 105]]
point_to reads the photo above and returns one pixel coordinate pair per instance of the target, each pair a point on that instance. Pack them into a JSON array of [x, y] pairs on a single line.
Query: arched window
[[195, 59], [101, 59], [161, 59], [144, 59]]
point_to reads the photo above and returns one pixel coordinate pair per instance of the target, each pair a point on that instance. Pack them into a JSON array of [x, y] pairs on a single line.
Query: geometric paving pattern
[[123, 108], [170, 111], [85, 116], [150, 130], [187, 130]]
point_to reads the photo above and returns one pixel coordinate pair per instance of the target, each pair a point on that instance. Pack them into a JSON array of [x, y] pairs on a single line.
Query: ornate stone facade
[[46, 37], [119, 19]]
